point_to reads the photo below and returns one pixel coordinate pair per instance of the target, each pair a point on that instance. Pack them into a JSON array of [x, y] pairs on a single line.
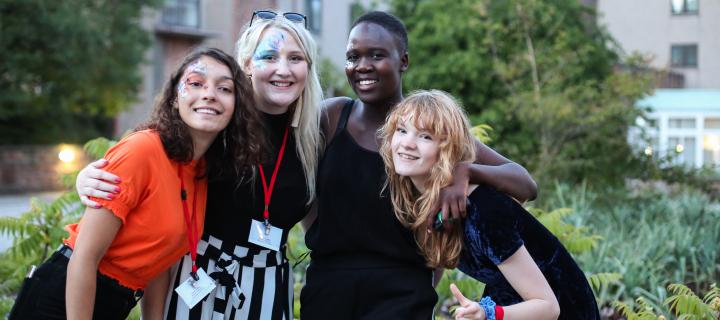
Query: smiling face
[[374, 64], [205, 97], [279, 69], [414, 152]]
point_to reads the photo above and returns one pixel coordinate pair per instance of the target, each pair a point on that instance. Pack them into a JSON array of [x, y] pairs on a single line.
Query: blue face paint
[[268, 49]]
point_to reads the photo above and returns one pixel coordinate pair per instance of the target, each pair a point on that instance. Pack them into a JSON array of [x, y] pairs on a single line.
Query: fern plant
[[641, 311], [684, 304]]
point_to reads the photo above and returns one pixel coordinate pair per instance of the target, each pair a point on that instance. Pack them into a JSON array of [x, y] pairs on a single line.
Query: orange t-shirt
[[153, 234]]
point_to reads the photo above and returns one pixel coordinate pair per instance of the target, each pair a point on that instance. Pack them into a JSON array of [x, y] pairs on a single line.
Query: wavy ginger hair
[[438, 113]]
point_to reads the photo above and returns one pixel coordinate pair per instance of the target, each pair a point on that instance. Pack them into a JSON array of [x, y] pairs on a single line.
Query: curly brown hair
[[237, 149]]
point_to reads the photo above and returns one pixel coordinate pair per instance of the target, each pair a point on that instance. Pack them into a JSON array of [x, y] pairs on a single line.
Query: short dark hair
[[389, 22], [237, 148]]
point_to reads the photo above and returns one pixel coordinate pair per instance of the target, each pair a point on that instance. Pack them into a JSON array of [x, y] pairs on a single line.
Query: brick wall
[[36, 168]]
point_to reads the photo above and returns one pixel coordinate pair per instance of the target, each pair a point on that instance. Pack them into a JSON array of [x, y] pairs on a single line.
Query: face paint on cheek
[[350, 64], [182, 90], [259, 64]]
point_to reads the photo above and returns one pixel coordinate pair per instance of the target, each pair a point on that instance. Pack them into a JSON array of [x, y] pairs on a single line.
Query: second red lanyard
[[268, 189]]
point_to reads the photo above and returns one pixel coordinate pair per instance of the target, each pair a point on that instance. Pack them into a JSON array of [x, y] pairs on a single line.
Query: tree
[[541, 73], [66, 66]]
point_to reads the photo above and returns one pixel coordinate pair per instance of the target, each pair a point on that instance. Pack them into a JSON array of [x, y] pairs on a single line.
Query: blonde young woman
[[529, 274], [249, 216]]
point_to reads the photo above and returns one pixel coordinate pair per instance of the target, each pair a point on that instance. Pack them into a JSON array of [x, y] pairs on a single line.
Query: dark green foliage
[[541, 73], [67, 66], [654, 234]]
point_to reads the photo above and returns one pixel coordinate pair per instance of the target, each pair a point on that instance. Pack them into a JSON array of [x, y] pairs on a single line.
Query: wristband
[[499, 312], [489, 306]]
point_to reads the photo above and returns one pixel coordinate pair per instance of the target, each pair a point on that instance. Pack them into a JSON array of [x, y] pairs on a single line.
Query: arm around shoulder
[[494, 169]]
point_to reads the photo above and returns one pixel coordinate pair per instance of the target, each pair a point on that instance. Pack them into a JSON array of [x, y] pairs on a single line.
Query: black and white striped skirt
[[252, 284]]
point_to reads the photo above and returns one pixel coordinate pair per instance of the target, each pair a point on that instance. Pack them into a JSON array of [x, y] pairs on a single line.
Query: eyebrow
[[220, 78], [300, 52]]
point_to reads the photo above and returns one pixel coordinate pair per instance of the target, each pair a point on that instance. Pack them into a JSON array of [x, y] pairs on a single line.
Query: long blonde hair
[[442, 116], [306, 109]]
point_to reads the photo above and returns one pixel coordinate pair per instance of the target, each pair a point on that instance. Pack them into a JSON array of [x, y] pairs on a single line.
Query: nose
[[363, 65], [408, 142], [209, 93], [283, 67]]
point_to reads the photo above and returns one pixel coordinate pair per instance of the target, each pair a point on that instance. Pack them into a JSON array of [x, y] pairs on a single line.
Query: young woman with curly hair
[[128, 244]]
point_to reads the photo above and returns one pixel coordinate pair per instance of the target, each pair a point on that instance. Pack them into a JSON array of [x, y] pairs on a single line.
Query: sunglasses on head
[[270, 15]]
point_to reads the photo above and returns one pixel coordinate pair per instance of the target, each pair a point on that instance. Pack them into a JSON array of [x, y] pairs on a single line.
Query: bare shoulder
[[331, 110]]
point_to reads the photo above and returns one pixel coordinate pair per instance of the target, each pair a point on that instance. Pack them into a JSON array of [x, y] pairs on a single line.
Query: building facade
[[682, 39], [182, 25]]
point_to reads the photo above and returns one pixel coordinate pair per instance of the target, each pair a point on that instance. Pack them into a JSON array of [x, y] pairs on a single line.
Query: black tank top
[[356, 226]]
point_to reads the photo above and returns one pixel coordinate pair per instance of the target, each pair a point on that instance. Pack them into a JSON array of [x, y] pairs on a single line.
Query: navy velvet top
[[496, 227]]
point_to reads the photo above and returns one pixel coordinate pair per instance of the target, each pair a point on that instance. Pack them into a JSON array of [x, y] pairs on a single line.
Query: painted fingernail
[[117, 180], [117, 189], [97, 206], [111, 196]]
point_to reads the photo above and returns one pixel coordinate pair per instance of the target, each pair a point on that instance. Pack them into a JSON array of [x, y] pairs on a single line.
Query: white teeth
[[366, 82], [406, 156], [206, 111], [280, 84]]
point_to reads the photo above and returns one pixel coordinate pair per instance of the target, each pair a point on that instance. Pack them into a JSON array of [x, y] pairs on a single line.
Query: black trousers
[[367, 293], [42, 296]]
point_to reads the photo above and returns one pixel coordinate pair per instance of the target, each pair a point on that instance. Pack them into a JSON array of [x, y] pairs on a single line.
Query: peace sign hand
[[468, 309]]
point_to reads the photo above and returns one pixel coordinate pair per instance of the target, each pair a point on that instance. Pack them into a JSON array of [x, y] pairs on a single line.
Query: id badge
[[260, 236], [191, 291]]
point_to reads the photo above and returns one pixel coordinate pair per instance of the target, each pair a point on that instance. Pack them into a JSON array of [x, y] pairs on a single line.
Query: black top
[[495, 229], [231, 205], [356, 226]]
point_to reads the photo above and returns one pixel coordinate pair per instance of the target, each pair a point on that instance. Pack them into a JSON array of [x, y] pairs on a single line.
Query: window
[[683, 149], [683, 55], [711, 150], [712, 123], [313, 10], [681, 123], [184, 13], [684, 6]]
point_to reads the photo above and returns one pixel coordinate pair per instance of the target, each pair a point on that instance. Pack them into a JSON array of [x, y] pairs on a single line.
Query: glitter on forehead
[[198, 67]]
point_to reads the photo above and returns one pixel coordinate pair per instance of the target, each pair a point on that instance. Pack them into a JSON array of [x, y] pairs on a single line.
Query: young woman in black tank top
[[365, 264]]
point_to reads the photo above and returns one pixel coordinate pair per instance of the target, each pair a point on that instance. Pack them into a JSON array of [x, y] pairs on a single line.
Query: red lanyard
[[190, 221], [268, 190]]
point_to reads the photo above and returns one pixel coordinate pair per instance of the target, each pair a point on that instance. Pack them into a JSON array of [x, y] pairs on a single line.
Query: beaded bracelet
[[489, 306]]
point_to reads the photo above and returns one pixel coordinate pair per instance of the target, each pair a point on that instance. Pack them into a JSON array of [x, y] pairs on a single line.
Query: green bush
[[654, 235]]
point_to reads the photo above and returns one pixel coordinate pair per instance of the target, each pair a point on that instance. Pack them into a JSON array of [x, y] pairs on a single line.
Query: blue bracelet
[[489, 306]]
